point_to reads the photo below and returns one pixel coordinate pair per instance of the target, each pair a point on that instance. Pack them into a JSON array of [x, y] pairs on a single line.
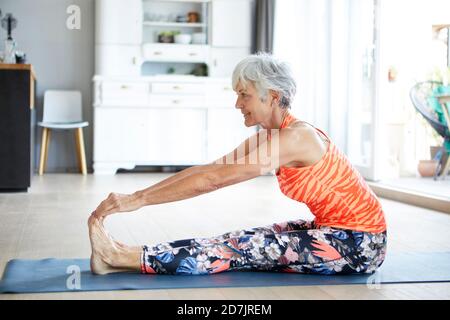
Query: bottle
[[10, 51]]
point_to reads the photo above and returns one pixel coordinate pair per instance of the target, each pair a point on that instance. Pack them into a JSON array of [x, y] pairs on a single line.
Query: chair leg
[[47, 146], [77, 142], [44, 141], [440, 158], [446, 168], [80, 150]]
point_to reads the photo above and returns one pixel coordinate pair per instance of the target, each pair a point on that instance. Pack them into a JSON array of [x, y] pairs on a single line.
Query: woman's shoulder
[[297, 123], [305, 141], [299, 129], [307, 130]]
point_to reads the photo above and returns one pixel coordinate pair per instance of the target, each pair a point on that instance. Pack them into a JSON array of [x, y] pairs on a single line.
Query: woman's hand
[[117, 202]]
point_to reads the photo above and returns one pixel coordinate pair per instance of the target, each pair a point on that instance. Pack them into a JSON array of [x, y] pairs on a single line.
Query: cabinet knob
[[175, 101], [192, 54], [124, 87], [157, 53], [176, 87]]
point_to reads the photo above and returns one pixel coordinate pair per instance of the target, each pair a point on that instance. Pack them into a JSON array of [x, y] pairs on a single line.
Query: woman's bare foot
[[125, 246], [120, 244], [107, 256]]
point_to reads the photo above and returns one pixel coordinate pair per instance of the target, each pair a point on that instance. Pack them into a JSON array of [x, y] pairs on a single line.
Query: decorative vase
[[427, 168], [193, 17]]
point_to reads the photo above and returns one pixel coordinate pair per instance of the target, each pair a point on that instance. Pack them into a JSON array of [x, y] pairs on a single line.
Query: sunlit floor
[[50, 221], [425, 185]]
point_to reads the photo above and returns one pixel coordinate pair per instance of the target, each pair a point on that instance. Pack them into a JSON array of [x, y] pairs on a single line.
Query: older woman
[[348, 234]]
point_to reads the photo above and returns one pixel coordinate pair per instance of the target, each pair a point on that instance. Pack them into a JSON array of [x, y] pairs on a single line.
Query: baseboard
[[411, 197]]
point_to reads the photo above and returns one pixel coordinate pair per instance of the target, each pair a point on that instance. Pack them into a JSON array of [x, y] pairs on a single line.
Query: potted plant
[[167, 36]]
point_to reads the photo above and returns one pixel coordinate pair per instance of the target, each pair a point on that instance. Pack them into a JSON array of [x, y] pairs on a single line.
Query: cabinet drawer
[[219, 88], [186, 101], [225, 101], [124, 88], [220, 95], [175, 88], [175, 52], [131, 93]]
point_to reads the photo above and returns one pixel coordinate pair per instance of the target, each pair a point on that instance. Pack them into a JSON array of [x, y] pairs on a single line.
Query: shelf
[[174, 24], [176, 45], [185, 1]]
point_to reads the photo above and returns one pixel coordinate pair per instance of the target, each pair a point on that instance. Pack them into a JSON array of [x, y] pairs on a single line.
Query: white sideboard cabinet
[[164, 120], [148, 107]]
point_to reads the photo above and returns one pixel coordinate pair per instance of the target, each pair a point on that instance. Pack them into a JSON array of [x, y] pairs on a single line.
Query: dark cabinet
[[17, 114]]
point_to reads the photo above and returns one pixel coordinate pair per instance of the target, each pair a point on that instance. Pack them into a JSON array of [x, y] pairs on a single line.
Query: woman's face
[[252, 108]]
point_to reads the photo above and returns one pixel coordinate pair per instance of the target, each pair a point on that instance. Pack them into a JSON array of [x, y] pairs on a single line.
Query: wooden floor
[[50, 221]]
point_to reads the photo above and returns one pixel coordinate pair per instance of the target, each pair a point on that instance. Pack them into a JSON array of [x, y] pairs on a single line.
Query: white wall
[[63, 59]]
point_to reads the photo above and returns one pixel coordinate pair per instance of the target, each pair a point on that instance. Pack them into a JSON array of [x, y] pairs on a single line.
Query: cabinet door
[[118, 22], [231, 23], [223, 60], [220, 95], [175, 52], [226, 130], [176, 136], [120, 134], [117, 60]]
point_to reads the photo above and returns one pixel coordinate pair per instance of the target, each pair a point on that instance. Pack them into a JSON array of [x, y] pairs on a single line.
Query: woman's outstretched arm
[[245, 146], [198, 180]]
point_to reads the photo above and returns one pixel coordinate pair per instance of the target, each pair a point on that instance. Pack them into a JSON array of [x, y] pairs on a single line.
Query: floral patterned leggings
[[293, 246]]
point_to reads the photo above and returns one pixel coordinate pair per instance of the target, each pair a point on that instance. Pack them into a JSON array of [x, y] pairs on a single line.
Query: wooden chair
[[62, 111], [420, 96]]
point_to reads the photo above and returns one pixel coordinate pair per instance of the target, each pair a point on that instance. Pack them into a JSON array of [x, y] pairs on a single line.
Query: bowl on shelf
[[199, 38], [183, 38], [181, 19]]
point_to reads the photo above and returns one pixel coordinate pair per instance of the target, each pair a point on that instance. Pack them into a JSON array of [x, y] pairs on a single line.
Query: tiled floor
[[50, 221]]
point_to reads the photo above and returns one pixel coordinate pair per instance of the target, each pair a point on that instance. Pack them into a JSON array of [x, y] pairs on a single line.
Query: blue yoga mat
[[56, 275]]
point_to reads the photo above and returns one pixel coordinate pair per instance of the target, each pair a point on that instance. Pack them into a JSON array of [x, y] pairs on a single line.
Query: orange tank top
[[333, 190]]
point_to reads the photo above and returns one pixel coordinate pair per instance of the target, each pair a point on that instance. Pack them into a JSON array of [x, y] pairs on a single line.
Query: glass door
[[362, 113]]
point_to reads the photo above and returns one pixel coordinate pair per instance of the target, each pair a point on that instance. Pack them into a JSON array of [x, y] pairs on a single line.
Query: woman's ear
[[275, 98]]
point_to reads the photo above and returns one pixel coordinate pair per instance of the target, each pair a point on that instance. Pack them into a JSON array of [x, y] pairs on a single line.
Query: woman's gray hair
[[266, 73]]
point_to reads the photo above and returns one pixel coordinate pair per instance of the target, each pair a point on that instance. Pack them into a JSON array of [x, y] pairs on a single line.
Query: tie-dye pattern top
[[333, 190]]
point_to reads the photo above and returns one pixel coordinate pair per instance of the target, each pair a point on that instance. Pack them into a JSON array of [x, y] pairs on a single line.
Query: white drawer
[[175, 88], [212, 101], [175, 52], [219, 88], [220, 95], [186, 101], [119, 87], [119, 93]]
